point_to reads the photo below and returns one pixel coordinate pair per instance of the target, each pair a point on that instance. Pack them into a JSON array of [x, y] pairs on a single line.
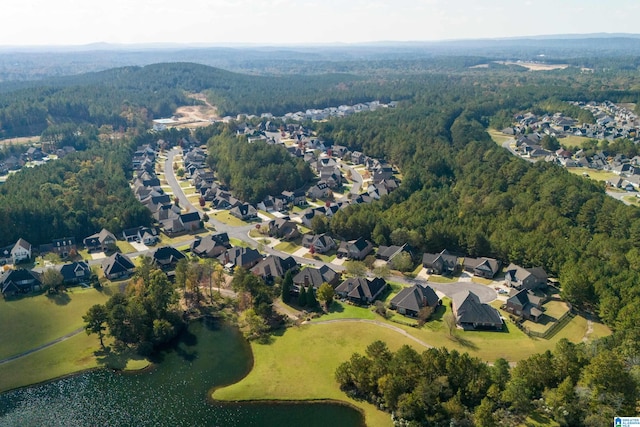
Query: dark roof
[[19, 279], [167, 255], [274, 266], [116, 264], [241, 256], [361, 288], [470, 310], [190, 217], [73, 271], [413, 298], [315, 276]]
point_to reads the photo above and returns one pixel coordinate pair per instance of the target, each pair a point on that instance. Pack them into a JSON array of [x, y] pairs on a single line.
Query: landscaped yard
[[125, 247], [498, 137], [343, 310], [594, 174], [238, 242], [289, 247], [35, 320], [67, 357], [307, 355], [442, 279], [572, 141], [227, 218]]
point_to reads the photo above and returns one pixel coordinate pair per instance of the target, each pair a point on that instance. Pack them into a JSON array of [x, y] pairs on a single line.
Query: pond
[[174, 393]]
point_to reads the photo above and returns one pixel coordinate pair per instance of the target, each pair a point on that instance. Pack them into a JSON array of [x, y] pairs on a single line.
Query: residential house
[[284, 229], [244, 212], [167, 257], [314, 277], [409, 301], [191, 221], [100, 242], [321, 243], [211, 246], [273, 267], [319, 191], [239, 258], [63, 247], [146, 235], [440, 263], [471, 314], [117, 266], [21, 251], [361, 290], [525, 304], [482, 267], [387, 253], [355, 249], [525, 278], [20, 281], [75, 272]]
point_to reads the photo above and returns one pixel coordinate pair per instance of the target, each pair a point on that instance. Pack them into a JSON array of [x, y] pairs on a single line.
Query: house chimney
[[306, 281], [424, 301], [349, 286], [226, 258]]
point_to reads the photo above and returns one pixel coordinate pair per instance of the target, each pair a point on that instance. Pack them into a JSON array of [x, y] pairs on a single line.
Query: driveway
[[485, 293]]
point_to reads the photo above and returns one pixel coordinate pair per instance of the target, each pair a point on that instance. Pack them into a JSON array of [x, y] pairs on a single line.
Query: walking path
[[373, 322], [43, 346]]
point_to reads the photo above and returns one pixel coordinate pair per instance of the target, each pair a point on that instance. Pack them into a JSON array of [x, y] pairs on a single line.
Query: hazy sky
[[40, 22]]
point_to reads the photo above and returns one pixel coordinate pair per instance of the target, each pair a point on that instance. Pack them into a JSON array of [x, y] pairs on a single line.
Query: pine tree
[[302, 297], [312, 302], [287, 283]]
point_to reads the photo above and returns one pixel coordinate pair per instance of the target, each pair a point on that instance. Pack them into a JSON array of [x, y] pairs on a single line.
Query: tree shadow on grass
[[464, 342], [116, 360], [336, 307], [59, 298]]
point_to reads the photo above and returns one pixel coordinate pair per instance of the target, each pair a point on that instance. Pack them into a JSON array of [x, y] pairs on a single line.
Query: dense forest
[[574, 386], [459, 191], [72, 197], [254, 171]]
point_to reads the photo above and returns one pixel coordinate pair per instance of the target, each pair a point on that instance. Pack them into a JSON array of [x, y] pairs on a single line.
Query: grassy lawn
[[595, 174], [481, 280], [555, 309], [185, 184], [238, 242], [267, 214], [257, 234], [632, 200], [36, 320], [307, 355], [288, 247], [166, 240], [125, 247], [67, 357], [342, 310], [227, 218], [498, 137], [442, 279], [322, 257], [573, 141]]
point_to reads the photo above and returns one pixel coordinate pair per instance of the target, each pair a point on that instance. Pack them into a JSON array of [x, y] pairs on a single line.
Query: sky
[[293, 22]]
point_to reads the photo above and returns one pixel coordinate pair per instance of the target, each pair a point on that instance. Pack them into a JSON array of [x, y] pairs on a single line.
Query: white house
[[21, 251]]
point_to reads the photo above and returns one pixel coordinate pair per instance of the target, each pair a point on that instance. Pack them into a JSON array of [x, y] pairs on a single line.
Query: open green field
[[78, 353], [597, 175], [572, 141], [35, 320], [227, 218], [498, 137], [307, 355]]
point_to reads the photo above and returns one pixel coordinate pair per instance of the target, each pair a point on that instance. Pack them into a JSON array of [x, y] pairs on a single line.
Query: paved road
[[355, 177]]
